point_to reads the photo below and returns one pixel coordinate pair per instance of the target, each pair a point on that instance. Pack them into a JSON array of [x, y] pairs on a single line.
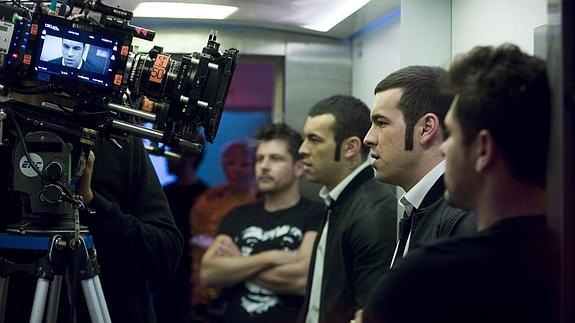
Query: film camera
[[82, 54], [99, 87], [92, 61]]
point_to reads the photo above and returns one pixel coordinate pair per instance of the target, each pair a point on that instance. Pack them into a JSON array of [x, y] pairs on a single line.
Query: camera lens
[[194, 88]]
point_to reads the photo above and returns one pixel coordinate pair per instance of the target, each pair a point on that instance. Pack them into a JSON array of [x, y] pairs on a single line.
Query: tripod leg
[[101, 299], [92, 301], [3, 296], [54, 299], [39, 300]]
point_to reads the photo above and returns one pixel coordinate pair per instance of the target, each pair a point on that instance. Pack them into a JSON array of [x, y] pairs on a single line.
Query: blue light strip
[[378, 23]]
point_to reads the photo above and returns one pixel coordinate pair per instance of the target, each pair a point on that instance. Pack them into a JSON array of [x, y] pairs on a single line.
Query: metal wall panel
[[313, 72], [425, 32]]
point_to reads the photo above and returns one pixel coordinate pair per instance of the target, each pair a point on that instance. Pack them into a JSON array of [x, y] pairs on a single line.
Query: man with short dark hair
[[405, 135], [496, 158], [262, 250], [359, 231]]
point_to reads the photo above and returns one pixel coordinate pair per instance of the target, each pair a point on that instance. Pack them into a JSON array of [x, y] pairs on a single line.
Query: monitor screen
[[76, 54]]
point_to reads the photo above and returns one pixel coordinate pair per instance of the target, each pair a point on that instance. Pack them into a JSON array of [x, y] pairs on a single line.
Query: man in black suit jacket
[[356, 241], [496, 162], [405, 135], [72, 56]]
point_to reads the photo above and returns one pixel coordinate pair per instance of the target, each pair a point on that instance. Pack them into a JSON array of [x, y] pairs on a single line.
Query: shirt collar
[[413, 198], [330, 196]]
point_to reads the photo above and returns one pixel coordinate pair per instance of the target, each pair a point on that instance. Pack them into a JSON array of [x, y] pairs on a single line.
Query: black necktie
[[404, 229]]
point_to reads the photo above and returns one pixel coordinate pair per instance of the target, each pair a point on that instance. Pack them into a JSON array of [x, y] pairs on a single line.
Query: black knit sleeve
[[133, 229]]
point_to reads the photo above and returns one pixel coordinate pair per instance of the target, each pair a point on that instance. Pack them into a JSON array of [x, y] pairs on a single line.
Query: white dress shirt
[[316, 283], [413, 198]]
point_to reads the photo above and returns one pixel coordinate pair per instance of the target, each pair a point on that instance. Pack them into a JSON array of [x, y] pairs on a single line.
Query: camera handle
[[50, 271]]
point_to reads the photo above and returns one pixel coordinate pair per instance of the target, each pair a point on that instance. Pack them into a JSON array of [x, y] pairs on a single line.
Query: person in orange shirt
[[209, 209]]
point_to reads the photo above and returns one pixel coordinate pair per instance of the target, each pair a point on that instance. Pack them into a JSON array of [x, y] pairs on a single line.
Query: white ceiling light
[[183, 10], [334, 15]]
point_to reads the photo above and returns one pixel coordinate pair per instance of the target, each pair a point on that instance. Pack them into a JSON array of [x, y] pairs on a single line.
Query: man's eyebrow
[[312, 135], [379, 117]]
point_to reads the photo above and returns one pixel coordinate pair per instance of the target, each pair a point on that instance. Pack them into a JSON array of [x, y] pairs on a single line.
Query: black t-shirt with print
[[255, 230]]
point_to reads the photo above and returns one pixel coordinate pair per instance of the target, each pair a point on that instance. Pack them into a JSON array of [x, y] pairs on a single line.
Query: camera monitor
[[77, 55]]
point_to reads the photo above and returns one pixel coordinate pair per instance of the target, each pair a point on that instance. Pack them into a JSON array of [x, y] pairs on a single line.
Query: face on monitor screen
[[72, 52], [76, 54]]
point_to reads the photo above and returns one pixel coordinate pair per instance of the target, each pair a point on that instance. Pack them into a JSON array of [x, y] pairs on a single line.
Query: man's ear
[[484, 150], [351, 146], [427, 129], [298, 168]]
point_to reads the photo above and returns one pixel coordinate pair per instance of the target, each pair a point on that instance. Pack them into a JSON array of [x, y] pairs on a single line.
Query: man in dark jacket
[[496, 160], [132, 229], [405, 135], [358, 234]]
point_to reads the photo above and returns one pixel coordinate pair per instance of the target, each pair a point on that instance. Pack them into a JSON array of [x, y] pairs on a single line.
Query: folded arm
[[290, 278], [223, 264]]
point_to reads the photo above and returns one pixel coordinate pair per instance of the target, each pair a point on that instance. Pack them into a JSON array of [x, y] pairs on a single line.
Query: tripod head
[[48, 156]]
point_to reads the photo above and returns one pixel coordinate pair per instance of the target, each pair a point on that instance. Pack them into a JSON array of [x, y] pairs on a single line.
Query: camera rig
[[69, 77], [78, 57], [185, 95]]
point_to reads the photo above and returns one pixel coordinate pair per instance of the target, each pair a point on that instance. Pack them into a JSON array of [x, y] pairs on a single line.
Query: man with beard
[[262, 250]]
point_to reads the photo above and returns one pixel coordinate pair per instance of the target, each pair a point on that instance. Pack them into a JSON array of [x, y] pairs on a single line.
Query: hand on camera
[[84, 186]]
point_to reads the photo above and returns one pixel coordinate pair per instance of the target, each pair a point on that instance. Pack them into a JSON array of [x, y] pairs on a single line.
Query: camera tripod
[[61, 249]]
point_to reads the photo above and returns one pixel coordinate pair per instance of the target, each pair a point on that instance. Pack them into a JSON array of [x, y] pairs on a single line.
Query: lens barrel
[[195, 88]]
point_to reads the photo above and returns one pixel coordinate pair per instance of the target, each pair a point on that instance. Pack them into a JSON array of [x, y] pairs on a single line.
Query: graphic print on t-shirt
[[258, 300]]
